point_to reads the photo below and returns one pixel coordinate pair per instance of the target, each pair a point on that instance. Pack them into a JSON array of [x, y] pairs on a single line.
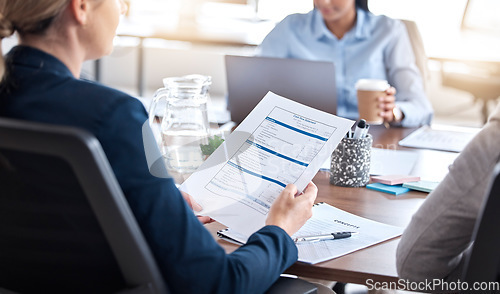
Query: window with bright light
[[482, 15], [439, 21], [276, 10]]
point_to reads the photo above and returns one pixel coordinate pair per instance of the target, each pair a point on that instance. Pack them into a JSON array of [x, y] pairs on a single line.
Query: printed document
[[328, 219], [387, 162], [392, 162], [445, 138], [280, 142]]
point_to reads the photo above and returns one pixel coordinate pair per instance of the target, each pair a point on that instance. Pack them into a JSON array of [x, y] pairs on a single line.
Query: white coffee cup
[[368, 91]]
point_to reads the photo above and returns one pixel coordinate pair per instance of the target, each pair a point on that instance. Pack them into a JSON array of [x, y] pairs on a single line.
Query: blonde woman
[[40, 82]]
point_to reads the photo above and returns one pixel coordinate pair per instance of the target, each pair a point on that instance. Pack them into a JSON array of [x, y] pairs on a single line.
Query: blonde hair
[[26, 17]]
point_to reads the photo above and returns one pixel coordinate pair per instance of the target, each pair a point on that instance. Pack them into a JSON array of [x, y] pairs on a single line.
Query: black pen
[[365, 131], [324, 237], [360, 128]]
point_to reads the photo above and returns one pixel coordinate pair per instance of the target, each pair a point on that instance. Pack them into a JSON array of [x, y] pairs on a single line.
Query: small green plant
[[213, 143]]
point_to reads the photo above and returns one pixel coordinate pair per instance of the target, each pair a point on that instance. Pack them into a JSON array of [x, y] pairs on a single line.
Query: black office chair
[[65, 226], [482, 264]]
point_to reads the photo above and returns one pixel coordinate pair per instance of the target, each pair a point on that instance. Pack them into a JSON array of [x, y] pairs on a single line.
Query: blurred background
[[163, 38]]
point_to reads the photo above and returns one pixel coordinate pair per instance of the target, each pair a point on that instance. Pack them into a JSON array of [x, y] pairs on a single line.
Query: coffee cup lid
[[372, 85]]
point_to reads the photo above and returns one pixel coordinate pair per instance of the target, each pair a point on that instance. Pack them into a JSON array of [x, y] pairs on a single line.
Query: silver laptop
[[250, 78]]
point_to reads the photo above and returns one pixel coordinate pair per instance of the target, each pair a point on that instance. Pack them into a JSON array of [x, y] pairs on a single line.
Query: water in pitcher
[[184, 124], [181, 142]]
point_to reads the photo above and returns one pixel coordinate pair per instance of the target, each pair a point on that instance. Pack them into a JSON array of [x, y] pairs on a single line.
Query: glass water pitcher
[[181, 110]]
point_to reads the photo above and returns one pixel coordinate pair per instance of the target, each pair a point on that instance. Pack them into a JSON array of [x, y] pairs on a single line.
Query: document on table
[[443, 138], [392, 162], [280, 142], [387, 162], [329, 219]]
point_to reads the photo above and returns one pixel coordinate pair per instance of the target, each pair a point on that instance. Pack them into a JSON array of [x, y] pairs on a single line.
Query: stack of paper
[[394, 179], [391, 183], [391, 189], [423, 186]]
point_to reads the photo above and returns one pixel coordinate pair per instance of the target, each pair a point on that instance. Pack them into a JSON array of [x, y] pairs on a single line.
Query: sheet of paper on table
[[438, 137], [280, 142], [388, 162], [328, 219], [392, 162]]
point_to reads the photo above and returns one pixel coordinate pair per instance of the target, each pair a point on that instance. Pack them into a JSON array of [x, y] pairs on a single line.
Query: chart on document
[[276, 153]]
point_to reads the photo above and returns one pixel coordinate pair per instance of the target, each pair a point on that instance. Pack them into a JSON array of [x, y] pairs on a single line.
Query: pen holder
[[350, 165]]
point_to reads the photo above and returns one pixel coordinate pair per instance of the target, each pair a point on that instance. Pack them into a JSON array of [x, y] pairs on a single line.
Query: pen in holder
[[350, 166]]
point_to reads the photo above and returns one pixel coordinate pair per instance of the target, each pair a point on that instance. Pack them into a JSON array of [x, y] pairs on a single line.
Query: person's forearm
[[258, 264], [416, 113], [432, 245], [429, 249]]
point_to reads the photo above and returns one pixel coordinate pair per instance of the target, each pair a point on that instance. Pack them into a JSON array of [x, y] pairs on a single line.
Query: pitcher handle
[[162, 92]]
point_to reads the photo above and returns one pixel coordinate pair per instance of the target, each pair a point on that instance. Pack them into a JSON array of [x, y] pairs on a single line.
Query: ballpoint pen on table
[[324, 237]]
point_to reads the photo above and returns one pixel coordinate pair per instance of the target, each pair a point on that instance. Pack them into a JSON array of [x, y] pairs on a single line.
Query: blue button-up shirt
[[376, 47]]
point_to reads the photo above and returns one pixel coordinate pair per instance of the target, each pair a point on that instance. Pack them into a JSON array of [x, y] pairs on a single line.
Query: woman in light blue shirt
[[361, 45]]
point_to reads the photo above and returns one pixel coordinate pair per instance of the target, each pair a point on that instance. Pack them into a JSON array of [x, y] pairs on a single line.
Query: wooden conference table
[[377, 262]]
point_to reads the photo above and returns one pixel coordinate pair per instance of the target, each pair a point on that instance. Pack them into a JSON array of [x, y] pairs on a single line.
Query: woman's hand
[[386, 105], [291, 212], [196, 207]]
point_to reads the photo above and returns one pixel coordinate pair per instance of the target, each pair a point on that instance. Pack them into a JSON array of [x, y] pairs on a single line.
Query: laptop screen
[[250, 78]]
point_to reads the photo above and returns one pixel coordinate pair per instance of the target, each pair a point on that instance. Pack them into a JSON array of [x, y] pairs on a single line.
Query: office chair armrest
[[142, 289], [292, 286]]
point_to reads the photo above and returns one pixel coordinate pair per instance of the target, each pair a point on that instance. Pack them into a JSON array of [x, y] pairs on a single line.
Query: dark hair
[[363, 4]]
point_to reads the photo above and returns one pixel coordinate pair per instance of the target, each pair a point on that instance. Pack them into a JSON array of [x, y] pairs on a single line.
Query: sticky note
[[395, 179], [424, 186], [391, 189]]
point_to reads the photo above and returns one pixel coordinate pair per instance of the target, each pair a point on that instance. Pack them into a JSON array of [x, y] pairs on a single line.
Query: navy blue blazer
[[44, 90]]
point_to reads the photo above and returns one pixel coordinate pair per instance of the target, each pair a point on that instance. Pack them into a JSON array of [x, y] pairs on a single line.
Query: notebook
[[250, 78]]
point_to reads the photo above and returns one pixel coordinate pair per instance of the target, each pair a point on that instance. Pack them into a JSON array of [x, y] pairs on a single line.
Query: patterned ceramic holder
[[350, 165]]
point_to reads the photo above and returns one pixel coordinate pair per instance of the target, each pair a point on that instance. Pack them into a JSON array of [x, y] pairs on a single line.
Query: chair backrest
[[417, 45], [483, 261], [65, 226]]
